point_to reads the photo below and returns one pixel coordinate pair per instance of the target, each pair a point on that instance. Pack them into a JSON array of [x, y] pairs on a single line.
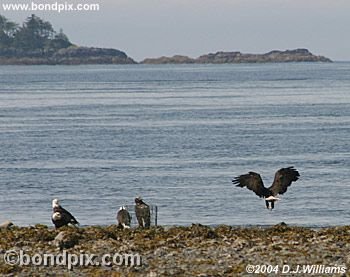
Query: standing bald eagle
[[143, 213], [283, 179], [124, 218], [60, 216]]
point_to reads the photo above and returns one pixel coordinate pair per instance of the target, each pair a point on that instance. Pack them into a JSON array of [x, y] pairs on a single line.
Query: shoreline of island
[[76, 55], [221, 57], [35, 42]]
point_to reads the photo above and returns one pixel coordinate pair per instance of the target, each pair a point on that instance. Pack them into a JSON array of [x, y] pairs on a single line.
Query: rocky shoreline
[[75, 55], [37, 43], [196, 250], [276, 56], [72, 55]]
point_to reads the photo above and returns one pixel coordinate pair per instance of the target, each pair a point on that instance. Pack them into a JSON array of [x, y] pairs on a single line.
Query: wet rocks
[[65, 240], [195, 250], [6, 224]]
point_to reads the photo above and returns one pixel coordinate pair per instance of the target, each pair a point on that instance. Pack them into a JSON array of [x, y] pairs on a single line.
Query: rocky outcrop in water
[[68, 56], [177, 59], [297, 55], [80, 55]]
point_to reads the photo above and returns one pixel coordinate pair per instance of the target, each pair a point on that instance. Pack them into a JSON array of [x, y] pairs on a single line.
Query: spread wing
[[283, 179], [253, 182]]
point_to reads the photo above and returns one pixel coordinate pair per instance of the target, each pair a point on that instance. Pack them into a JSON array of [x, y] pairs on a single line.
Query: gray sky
[[152, 28]]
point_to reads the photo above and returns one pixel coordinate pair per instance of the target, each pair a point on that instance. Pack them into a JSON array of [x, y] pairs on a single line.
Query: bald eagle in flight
[[283, 179]]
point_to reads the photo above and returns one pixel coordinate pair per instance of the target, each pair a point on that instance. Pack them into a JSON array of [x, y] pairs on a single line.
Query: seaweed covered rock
[[6, 224], [196, 250], [65, 240]]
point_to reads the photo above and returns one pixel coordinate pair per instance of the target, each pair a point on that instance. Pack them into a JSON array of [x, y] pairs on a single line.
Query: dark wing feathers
[[143, 215], [253, 182], [283, 179], [72, 218], [67, 216], [123, 216]]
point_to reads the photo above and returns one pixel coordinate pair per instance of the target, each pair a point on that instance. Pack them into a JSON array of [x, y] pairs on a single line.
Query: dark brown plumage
[[124, 218], [60, 216], [283, 179], [143, 213]]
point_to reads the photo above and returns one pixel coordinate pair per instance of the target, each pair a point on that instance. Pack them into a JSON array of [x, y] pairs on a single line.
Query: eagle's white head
[[272, 198], [122, 208], [55, 203]]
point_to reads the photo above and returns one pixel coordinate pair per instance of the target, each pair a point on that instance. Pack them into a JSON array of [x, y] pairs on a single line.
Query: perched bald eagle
[[143, 213], [124, 218], [60, 216], [283, 179]]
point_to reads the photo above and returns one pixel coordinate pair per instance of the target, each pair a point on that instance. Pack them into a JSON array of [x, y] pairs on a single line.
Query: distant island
[[36, 42], [296, 55]]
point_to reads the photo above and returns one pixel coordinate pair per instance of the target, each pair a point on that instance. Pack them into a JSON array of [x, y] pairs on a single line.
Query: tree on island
[[34, 35], [36, 42], [7, 31]]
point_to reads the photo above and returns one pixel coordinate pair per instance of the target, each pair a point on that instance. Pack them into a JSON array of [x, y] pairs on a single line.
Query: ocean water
[[97, 136]]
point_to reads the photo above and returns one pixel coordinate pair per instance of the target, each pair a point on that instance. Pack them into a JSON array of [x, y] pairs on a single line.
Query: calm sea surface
[[97, 136]]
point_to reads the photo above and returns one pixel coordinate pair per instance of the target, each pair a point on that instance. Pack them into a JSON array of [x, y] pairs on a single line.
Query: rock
[[65, 240], [40, 226], [152, 274], [68, 56], [6, 224], [296, 55], [177, 59], [80, 52], [90, 55]]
